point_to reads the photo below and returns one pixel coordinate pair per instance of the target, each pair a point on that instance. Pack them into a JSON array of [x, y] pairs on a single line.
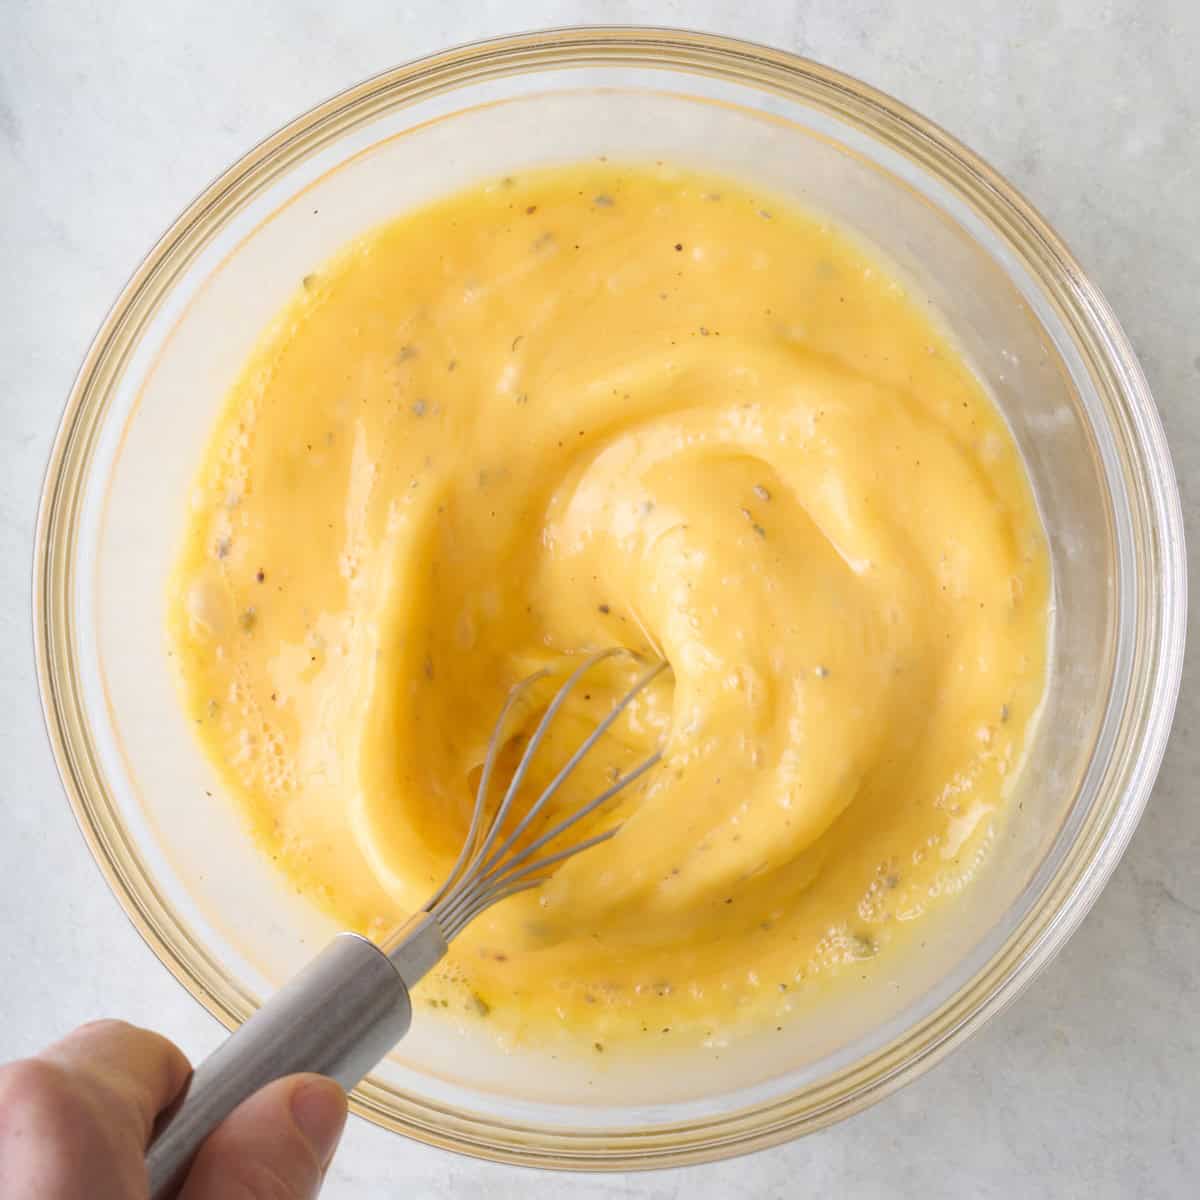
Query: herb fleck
[[260, 575], [865, 946]]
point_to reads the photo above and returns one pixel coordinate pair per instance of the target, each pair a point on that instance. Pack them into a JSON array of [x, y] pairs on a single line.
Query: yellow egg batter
[[632, 406]]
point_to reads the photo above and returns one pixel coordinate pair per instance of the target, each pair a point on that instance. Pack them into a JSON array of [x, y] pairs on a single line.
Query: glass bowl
[[1039, 335]]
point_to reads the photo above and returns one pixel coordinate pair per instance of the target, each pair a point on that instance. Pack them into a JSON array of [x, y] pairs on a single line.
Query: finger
[[141, 1071], [274, 1146], [75, 1119]]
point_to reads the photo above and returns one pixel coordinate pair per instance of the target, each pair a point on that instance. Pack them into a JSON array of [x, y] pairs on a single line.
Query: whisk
[[349, 1006]]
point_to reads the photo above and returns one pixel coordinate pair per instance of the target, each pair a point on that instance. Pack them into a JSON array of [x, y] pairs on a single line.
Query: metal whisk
[[345, 1010]]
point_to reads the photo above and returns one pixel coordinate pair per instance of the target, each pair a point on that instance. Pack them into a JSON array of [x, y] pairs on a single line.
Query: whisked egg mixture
[[636, 406]]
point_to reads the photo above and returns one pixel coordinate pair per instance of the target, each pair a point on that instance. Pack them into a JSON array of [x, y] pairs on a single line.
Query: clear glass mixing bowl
[[1040, 336]]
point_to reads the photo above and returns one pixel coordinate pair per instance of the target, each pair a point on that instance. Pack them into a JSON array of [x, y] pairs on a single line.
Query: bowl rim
[[1066, 898]]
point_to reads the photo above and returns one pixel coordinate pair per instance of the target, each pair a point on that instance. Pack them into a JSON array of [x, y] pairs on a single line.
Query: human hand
[[75, 1120]]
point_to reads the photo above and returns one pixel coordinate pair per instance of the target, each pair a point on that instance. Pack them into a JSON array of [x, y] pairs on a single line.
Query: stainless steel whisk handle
[[338, 1017]]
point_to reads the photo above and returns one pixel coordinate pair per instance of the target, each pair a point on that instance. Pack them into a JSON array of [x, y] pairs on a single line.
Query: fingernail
[[319, 1110]]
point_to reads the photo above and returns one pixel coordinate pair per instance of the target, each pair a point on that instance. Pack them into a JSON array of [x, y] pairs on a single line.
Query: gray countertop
[[113, 116]]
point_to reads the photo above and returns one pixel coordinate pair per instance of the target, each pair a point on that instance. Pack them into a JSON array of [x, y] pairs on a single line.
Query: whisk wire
[[568, 821], [520, 881], [481, 875], [567, 768], [514, 786], [495, 886], [467, 853]]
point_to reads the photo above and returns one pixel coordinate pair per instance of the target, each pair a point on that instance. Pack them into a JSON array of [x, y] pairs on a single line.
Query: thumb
[[274, 1146]]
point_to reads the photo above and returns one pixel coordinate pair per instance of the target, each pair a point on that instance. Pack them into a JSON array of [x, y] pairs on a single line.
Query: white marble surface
[[112, 116]]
